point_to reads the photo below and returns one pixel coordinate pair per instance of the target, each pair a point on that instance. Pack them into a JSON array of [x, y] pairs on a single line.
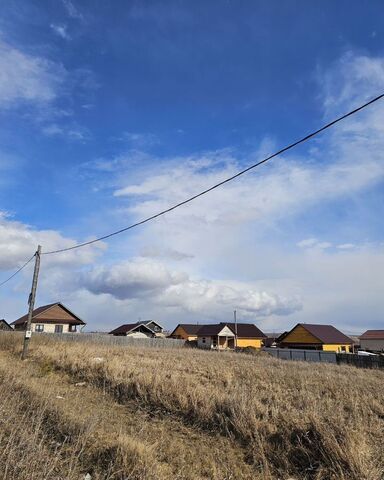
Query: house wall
[[50, 327], [5, 327], [300, 335], [374, 344], [207, 344], [335, 348], [249, 342]]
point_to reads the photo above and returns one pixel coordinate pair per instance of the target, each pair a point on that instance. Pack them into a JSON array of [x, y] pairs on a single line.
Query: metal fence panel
[[302, 355]]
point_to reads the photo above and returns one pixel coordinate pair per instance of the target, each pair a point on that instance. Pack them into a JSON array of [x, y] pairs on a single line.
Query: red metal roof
[[372, 335]]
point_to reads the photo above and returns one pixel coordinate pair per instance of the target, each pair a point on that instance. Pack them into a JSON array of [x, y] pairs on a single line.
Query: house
[[223, 336], [146, 329], [316, 337], [4, 326], [186, 331], [372, 340], [52, 318], [271, 340]]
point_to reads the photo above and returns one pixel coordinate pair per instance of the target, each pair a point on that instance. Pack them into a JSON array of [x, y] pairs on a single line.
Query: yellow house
[[186, 331], [223, 336], [316, 337]]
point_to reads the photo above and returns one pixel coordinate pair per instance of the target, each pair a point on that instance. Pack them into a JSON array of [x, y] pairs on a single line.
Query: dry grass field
[[159, 414]]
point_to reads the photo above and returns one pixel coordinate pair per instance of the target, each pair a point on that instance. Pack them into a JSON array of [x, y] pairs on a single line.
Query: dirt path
[[128, 442]]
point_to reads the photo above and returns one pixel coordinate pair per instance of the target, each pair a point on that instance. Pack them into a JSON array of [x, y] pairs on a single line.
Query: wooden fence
[[113, 340], [98, 338]]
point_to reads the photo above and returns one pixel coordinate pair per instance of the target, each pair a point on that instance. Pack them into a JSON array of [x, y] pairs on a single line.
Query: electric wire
[[233, 177], [17, 271]]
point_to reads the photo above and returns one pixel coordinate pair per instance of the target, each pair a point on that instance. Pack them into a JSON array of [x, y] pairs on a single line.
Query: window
[[58, 328], [72, 328], [203, 340], [39, 328]]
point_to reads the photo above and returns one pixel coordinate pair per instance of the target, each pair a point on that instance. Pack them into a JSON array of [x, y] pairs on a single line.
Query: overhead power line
[[233, 177], [17, 271]]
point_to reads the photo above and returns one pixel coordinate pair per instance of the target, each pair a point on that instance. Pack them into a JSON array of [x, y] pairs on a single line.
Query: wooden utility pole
[[235, 319], [31, 302]]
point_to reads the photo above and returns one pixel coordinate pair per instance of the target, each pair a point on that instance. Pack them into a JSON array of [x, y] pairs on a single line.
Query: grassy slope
[[208, 415]]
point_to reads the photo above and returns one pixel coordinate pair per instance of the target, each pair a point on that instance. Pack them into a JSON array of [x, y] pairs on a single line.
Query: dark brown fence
[[362, 361]]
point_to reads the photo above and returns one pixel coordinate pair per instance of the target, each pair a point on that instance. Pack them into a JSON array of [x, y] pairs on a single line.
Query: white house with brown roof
[[143, 329], [52, 318]]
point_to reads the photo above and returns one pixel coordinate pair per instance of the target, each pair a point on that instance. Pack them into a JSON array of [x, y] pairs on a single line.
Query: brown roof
[[244, 330], [326, 333], [189, 328], [37, 311], [128, 327], [211, 329], [372, 335]]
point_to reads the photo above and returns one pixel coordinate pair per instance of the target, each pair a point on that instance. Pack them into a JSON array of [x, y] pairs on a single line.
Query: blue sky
[[110, 111]]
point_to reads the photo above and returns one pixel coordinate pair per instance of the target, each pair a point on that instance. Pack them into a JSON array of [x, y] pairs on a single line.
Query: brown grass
[[234, 416]]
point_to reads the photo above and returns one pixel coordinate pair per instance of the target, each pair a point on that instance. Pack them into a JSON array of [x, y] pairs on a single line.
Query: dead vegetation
[[189, 414]]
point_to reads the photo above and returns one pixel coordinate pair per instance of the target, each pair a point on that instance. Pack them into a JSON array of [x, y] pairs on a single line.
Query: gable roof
[[326, 333], [147, 322], [3, 321], [38, 311], [372, 335], [211, 329], [189, 328], [129, 327], [244, 330]]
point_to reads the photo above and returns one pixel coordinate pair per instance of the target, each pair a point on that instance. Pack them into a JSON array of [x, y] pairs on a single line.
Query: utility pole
[[31, 302], [235, 319]]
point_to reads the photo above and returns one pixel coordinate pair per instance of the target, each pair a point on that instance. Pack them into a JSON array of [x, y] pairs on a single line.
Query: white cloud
[[346, 246], [19, 241], [144, 279], [136, 278], [27, 78], [139, 140], [72, 10], [61, 31], [314, 243], [70, 131]]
